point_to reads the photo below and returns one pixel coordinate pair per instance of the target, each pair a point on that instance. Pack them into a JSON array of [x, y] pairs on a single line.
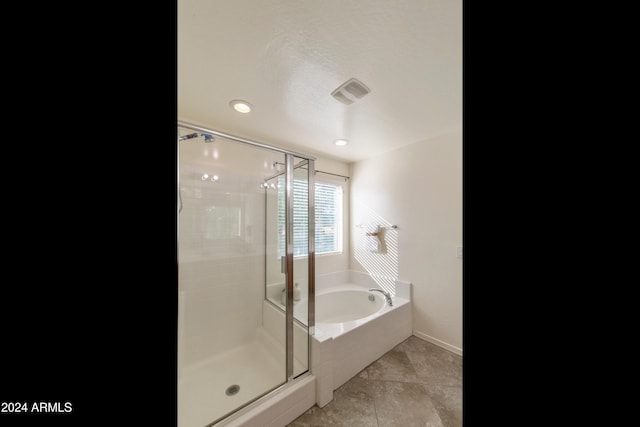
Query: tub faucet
[[386, 294]]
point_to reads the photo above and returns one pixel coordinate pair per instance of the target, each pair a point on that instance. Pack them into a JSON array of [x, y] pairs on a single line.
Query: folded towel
[[372, 237]]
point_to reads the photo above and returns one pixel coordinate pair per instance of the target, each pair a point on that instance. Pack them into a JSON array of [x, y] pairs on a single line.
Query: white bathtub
[[351, 332], [340, 308], [347, 304]]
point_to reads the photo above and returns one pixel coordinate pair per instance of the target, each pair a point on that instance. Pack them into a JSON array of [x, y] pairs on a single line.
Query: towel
[[372, 237]]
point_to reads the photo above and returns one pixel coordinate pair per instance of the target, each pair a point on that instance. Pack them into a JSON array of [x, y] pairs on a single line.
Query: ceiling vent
[[350, 91]]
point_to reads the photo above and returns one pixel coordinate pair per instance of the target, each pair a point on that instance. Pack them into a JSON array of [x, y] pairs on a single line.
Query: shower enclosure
[[245, 248]]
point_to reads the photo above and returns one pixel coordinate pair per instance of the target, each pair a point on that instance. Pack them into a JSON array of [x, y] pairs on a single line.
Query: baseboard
[[439, 343]]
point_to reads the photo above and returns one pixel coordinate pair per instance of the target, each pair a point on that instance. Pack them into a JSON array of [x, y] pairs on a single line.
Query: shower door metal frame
[[310, 163], [288, 203], [311, 315], [289, 155]]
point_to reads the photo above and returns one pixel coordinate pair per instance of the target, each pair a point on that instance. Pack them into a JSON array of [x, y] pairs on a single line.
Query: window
[[328, 205]]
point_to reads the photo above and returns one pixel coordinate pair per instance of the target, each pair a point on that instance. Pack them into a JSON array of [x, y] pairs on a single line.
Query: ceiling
[[286, 57]]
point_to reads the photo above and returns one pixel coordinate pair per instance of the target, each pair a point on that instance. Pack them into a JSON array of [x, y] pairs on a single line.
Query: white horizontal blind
[[328, 206], [300, 217]]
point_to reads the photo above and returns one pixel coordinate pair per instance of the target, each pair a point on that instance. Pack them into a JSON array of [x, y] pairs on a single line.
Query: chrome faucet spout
[[386, 294]]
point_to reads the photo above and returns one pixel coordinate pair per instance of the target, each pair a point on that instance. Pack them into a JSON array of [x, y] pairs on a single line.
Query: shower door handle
[[283, 264]]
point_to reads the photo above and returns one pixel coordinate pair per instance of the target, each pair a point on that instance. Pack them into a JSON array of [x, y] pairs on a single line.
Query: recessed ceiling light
[[240, 106], [340, 142]]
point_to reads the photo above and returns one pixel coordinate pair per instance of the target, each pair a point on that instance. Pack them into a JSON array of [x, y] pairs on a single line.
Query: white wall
[[418, 188]]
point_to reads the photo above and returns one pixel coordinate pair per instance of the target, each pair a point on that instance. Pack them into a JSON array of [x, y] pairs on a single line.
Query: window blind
[[328, 218]]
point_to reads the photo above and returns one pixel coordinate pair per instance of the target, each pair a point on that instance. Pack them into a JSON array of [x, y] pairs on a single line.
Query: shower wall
[[221, 246], [221, 283]]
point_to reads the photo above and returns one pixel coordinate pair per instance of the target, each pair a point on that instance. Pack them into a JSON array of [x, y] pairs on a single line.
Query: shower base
[[206, 390], [203, 389]]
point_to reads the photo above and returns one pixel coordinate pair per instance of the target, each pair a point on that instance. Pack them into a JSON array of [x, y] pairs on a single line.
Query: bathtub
[[352, 331], [347, 304], [342, 308]]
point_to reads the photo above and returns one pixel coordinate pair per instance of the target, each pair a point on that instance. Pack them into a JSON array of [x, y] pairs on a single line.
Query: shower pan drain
[[232, 389]]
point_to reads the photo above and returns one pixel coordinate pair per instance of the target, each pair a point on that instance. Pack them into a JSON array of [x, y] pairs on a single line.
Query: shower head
[[207, 137], [190, 136]]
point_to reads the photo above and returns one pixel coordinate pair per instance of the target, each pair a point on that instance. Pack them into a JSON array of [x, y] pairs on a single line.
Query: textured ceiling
[[287, 56]]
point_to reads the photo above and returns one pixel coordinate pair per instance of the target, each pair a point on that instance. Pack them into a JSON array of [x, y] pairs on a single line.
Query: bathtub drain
[[232, 389]]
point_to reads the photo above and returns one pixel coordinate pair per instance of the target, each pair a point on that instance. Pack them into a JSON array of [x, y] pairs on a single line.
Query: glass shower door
[[288, 260], [302, 244], [228, 351]]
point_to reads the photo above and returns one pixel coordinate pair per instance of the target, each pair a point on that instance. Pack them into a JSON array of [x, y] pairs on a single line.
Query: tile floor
[[415, 384]]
